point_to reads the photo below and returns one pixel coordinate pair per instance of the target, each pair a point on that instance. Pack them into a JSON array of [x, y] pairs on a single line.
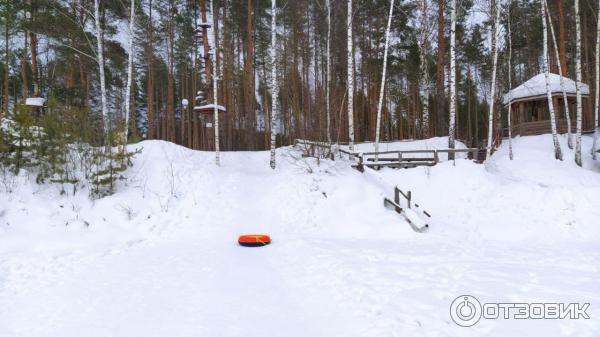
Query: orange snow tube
[[254, 240]]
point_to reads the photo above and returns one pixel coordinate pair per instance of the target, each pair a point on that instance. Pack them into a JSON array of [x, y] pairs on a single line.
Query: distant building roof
[[209, 107], [35, 101], [535, 87]]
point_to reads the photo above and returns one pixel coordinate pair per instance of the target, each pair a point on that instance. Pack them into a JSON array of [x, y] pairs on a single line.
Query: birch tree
[[562, 80], [328, 75], [100, 60], [493, 91], [129, 72], [578, 84], [423, 43], [597, 98], [274, 86], [214, 83], [452, 80], [350, 80], [382, 87], [510, 148], [546, 67]]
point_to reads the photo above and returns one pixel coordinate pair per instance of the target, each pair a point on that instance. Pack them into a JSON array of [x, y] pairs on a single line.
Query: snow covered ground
[[160, 258]]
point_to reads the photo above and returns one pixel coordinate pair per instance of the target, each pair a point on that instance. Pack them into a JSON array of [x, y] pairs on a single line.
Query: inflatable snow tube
[[254, 240]]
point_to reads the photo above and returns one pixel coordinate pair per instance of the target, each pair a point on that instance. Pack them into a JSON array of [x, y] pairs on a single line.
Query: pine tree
[[328, 79]]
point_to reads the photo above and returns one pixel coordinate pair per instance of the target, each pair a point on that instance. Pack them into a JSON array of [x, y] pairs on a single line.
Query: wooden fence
[[395, 204]]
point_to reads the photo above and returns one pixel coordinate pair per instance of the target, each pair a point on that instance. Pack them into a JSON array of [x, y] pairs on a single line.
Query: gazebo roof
[[535, 88], [209, 108], [35, 101]]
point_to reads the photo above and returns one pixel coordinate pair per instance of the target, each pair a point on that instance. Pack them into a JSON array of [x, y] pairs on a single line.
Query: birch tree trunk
[[328, 75], [382, 87], [557, 150], [214, 82], [597, 98], [510, 148], [562, 82], [424, 82], [493, 92], [274, 85], [452, 81], [350, 80], [100, 59], [6, 94], [578, 84], [129, 73]]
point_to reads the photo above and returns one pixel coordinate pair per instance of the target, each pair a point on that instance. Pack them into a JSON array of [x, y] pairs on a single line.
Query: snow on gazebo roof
[[35, 101], [535, 87], [210, 107]]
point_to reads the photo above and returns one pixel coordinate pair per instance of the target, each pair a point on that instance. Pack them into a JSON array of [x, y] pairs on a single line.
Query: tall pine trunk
[[273, 85], [578, 84], [546, 67], [561, 37], [170, 122], [151, 133], [250, 117], [383, 73], [328, 71]]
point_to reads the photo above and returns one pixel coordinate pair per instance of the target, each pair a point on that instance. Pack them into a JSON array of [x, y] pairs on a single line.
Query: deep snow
[[159, 258]]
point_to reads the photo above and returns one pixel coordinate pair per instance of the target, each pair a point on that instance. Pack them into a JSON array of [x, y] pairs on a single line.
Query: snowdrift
[[160, 257]]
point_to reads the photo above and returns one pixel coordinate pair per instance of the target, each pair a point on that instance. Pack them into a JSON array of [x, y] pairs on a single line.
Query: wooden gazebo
[[529, 101]]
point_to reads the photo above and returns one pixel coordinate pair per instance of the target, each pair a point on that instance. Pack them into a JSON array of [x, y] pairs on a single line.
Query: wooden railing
[[398, 208], [393, 158], [381, 159]]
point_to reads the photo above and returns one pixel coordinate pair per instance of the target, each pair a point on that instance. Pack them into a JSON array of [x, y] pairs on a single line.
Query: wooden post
[[397, 199], [409, 197]]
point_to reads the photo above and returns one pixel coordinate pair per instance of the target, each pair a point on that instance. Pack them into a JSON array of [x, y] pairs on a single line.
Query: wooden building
[[529, 101]]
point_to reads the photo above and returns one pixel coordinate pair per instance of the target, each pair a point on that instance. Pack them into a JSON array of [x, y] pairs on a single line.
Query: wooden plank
[[387, 202]]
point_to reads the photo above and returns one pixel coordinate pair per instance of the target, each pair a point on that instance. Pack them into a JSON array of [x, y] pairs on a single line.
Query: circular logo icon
[[465, 310]]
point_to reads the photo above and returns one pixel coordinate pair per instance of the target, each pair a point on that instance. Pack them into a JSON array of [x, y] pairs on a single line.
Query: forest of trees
[[51, 49]]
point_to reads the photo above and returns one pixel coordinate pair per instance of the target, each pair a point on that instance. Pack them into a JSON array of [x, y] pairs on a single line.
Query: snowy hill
[[159, 258]]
